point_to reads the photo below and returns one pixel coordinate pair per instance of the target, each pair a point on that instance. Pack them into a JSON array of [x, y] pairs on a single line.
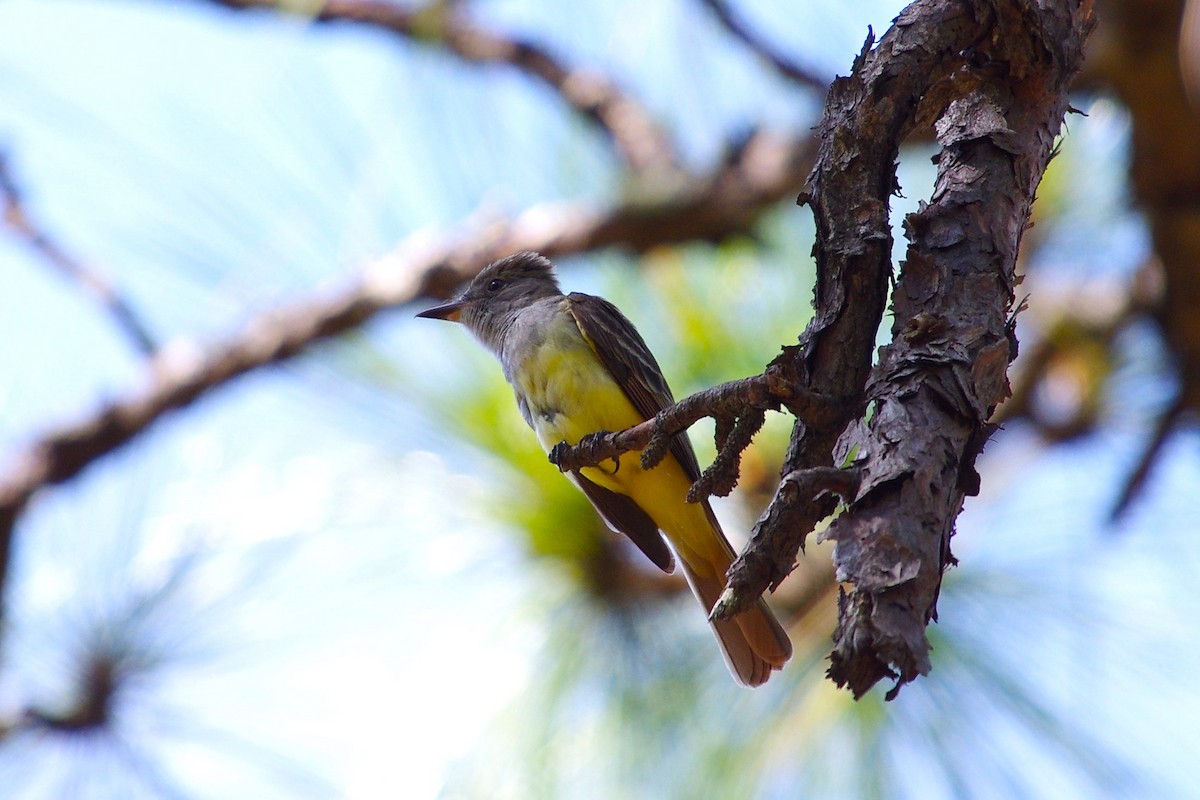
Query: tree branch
[[866, 116], [781, 63], [944, 372], [993, 76], [22, 224], [729, 403], [632, 129], [734, 196]]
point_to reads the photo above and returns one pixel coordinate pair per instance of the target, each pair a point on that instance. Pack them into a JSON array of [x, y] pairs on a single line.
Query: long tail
[[753, 642]]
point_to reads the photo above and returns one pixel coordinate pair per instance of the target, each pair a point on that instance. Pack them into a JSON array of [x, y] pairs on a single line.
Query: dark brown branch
[[944, 372], [22, 224], [866, 116], [799, 489], [722, 475], [781, 63], [728, 401], [993, 75], [633, 130]]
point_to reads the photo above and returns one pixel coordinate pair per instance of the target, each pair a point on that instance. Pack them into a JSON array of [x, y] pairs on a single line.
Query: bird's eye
[[494, 285]]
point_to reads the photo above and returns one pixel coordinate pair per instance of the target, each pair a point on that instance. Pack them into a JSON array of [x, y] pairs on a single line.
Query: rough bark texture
[[866, 117], [991, 76], [944, 372]]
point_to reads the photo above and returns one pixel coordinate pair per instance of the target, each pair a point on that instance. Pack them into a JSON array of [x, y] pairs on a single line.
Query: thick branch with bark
[[993, 77], [866, 117], [939, 380]]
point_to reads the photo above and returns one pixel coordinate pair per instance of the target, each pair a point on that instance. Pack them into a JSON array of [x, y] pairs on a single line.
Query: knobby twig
[[20, 222], [633, 130], [1168, 420], [730, 404]]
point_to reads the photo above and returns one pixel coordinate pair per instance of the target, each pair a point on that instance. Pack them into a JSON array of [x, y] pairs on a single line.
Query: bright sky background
[[352, 618]]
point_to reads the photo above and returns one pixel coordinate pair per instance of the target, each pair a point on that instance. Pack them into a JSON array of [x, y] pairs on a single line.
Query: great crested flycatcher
[[578, 366]]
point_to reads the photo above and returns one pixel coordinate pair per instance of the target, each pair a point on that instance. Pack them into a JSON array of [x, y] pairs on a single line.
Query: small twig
[[782, 64], [1136, 482], [787, 515], [633, 130], [727, 400], [19, 221], [722, 475]]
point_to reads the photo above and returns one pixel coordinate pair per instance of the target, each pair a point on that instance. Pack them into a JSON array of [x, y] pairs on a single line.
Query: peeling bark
[[944, 372]]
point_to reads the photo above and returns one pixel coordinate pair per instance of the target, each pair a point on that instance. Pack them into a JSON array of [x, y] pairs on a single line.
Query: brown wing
[[632, 365], [625, 516]]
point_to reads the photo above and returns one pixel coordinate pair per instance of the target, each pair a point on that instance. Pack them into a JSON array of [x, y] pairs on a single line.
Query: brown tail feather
[[753, 642]]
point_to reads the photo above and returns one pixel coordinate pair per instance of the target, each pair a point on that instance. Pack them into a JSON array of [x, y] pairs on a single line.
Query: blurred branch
[[781, 63], [19, 221], [100, 677], [1142, 50], [1075, 341], [1164, 426], [633, 130], [1076, 348], [724, 203]]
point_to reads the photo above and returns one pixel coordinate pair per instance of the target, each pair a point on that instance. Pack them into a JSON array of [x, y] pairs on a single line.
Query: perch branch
[[993, 75], [735, 400], [945, 371], [866, 116]]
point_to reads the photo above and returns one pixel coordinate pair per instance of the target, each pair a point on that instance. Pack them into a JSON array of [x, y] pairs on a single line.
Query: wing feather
[[625, 516], [627, 358]]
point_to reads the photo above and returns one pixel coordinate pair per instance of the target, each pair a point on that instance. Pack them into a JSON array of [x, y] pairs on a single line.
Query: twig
[[19, 221], [727, 401], [1136, 481], [799, 488], [782, 64], [633, 130]]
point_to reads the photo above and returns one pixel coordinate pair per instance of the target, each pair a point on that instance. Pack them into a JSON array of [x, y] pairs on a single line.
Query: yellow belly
[[570, 394]]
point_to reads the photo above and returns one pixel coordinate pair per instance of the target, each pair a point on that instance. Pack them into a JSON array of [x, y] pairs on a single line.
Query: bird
[[578, 366]]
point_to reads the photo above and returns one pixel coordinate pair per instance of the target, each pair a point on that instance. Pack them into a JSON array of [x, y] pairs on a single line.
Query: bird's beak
[[447, 311]]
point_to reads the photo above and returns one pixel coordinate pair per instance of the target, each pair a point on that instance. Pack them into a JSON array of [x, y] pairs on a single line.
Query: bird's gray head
[[494, 298]]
